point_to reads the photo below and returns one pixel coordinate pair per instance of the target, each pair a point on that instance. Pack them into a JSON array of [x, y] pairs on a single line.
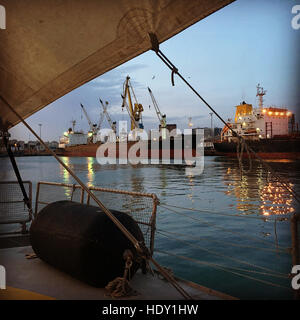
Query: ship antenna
[[260, 93]]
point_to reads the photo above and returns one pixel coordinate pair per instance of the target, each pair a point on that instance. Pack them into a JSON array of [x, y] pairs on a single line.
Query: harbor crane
[[161, 117], [100, 121], [113, 124], [134, 111], [93, 127]]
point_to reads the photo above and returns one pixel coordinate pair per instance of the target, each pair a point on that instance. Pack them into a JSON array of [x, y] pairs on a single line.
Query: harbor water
[[222, 230]]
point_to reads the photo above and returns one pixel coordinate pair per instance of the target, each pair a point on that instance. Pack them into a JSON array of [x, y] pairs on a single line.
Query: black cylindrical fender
[[83, 241]]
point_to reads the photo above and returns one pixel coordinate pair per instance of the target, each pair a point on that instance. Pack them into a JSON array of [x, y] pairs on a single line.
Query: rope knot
[[120, 286]]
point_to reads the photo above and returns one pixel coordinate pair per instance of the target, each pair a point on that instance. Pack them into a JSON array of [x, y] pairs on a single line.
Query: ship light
[[90, 134], [257, 129], [288, 113], [282, 113], [264, 110], [276, 113], [66, 134], [270, 113], [260, 136], [244, 123]]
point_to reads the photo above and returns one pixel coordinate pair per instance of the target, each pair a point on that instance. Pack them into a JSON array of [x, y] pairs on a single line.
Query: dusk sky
[[223, 56]]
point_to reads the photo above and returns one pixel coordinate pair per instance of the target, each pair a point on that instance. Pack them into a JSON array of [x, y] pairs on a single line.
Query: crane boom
[[100, 120], [111, 123], [87, 117], [161, 117], [134, 111]]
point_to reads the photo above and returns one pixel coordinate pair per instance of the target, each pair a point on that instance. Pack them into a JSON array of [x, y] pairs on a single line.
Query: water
[[233, 226]]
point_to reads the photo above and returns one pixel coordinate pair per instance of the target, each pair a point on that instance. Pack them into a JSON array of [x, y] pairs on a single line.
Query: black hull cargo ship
[[62, 54], [276, 148], [271, 132]]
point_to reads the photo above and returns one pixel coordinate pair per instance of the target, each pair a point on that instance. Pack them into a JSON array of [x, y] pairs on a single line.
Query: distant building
[[53, 145]]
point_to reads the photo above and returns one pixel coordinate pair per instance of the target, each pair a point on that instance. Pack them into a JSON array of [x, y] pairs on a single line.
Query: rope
[[214, 212], [141, 248], [227, 242], [171, 66], [218, 227], [224, 269], [120, 287], [73, 190], [225, 256]]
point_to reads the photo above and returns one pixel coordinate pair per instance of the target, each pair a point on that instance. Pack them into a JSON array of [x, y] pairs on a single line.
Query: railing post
[[37, 198]]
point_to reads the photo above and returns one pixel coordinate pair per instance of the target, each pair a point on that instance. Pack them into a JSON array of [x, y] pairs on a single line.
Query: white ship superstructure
[[259, 123]]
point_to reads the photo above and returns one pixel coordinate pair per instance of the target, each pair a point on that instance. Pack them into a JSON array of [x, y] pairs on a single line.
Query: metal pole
[[140, 247], [40, 125], [211, 126]]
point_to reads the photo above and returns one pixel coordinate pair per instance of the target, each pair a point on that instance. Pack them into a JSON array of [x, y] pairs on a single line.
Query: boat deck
[[32, 279]]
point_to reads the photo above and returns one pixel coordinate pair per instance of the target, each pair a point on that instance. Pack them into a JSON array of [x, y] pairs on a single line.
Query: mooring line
[[220, 228], [225, 256], [174, 70], [142, 250], [227, 242], [223, 269], [215, 212]]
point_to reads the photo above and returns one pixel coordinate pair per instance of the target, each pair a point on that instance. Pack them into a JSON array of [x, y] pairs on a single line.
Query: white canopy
[[51, 47]]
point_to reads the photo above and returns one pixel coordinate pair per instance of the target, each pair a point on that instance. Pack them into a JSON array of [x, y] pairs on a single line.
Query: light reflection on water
[[257, 193], [220, 189], [90, 171]]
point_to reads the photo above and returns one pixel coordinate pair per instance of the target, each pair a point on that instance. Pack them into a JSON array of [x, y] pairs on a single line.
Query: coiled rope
[[141, 248]]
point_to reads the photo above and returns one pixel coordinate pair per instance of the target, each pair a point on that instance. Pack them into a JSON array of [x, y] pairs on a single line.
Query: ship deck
[[33, 279]]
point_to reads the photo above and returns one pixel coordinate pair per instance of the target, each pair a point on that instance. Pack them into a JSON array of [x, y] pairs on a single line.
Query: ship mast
[[260, 93]]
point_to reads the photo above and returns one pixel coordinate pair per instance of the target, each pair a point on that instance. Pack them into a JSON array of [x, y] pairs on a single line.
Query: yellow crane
[[134, 110]]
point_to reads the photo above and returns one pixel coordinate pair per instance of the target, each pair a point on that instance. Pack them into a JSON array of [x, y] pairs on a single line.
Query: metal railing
[[12, 206], [141, 207]]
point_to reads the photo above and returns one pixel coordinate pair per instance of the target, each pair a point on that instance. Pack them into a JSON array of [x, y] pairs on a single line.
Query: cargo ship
[[269, 131], [179, 147]]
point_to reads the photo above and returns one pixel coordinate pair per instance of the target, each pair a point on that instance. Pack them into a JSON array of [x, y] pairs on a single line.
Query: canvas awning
[[51, 47]]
